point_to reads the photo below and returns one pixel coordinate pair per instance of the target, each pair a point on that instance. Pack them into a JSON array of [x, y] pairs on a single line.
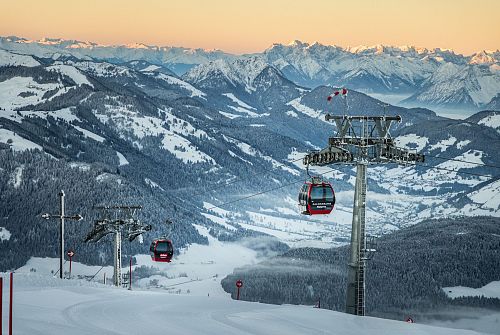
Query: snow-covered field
[[189, 300], [491, 290]]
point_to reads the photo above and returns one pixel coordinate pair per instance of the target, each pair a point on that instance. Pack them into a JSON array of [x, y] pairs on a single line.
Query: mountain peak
[[237, 72], [298, 44], [485, 57]]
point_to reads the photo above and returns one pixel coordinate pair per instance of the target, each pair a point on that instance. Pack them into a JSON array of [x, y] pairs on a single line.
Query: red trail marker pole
[[10, 305], [70, 254], [239, 284]]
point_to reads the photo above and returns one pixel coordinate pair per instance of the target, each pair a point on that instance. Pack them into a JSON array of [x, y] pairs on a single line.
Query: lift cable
[[301, 180], [153, 102], [237, 180], [458, 171], [263, 192], [463, 161]]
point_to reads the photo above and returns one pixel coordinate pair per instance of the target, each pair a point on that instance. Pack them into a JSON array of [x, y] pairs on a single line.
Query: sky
[[237, 26]]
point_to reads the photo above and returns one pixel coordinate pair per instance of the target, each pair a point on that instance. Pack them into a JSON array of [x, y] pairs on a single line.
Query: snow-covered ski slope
[[185, 297], [75, 307]]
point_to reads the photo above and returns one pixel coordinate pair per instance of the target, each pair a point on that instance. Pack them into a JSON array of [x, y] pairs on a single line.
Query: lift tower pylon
[[360, 141], [124, 222]]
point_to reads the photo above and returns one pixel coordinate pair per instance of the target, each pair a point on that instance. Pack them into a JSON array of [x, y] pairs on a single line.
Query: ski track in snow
[[79, 308]]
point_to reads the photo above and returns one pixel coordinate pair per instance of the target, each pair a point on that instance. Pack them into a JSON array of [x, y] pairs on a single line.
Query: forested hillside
[[405, 276]]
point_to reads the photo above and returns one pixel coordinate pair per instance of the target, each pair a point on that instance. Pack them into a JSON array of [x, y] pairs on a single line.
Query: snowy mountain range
[[421, 77], [225, 130]]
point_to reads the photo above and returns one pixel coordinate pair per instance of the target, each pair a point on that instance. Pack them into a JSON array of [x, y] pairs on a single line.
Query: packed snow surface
[[47, 305], [97, 310]]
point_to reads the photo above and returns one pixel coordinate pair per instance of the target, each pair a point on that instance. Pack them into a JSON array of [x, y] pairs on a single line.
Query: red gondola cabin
[[316, 197], [161, 250]]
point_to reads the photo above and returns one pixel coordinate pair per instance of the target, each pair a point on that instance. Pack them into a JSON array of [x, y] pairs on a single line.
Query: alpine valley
[[183, 131]]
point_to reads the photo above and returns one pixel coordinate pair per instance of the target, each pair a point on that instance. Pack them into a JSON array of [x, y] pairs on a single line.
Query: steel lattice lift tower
[[360, 141], [128, 225]]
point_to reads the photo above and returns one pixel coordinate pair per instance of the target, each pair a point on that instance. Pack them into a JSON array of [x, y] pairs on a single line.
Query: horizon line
[[294, 41]]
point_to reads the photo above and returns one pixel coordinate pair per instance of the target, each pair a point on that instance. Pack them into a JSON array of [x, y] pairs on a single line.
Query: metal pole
[[104, 281], [355, 302], [11, 302], [61, 246], [118, 258], [1, 301], [70, 258], [238, 295], [130, 275]]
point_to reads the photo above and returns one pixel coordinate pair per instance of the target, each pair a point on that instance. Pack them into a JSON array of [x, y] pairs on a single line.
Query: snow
[[238, 101], [103, 69], [11, 91], [169, 129], [295, 103], [443, 144], [472, 156], [151, 68], [65, 114], [292, 114], [219, 211], [90, 134], [232, 154], [247, 112], [249, 150], [152, 184], [244, 147], [4, 234], [122, 159], [491, 290], [488, 196], [47, 305], [18, 143], [492, 121], [16, 177], [176, 81], [241, 71], [466, 85], [72, 72], [462, 144], [220, 221], [412, 141], [229, 115], [12, 59]]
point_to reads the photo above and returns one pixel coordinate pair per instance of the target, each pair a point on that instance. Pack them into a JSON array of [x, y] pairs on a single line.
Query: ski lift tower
[[361, 141], [119, 225]]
